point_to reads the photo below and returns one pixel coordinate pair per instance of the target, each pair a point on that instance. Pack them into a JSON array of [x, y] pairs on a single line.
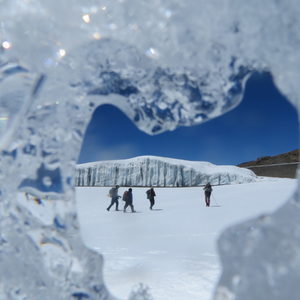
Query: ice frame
[[165, 64]]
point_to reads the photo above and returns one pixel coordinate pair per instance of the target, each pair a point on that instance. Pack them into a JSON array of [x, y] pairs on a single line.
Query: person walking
[[128, 198], [114, 197], [150, 195], [207, 192]]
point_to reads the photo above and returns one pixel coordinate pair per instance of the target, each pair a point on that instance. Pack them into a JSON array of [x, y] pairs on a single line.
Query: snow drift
[[158, 171]]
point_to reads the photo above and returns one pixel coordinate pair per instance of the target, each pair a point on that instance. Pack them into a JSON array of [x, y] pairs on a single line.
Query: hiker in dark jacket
[[114, 197], [129, 200], [150, 195], [207, 192]]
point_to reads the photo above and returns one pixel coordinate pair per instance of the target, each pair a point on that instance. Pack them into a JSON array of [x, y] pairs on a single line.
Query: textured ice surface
[[165, 64], [159, 171]]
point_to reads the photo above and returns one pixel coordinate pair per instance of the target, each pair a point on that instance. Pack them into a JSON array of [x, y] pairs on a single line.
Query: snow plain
[[173, 248]]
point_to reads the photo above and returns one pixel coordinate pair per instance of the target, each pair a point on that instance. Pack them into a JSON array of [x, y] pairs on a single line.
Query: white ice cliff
[[165, 64], [158, 171]]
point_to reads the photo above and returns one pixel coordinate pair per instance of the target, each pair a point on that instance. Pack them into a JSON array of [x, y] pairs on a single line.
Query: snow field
[[173, 248]]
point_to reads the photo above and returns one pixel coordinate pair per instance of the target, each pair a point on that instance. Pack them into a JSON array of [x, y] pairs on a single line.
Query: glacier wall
[[159, 171], [164, 63]]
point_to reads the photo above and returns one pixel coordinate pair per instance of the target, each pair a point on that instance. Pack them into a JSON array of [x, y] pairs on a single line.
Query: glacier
[[164, 63], [159, 171]]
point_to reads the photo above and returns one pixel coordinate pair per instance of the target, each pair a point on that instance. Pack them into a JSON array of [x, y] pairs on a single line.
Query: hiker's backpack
[[110, 193], [208, 188], [148, 194], [125, 196]]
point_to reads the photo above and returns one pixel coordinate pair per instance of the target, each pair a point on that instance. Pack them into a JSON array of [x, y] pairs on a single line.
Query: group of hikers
[[128, 197]]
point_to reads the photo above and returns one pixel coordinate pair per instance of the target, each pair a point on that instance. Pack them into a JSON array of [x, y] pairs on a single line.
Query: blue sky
[[265, 123]]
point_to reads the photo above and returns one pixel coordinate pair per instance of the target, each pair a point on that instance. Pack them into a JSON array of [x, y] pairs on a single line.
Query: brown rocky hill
[[285, 158], [282, 165]]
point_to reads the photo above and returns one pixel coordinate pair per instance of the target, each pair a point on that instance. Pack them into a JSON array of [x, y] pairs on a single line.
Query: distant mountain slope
[[288, 157], [158, 171], [283, 165]]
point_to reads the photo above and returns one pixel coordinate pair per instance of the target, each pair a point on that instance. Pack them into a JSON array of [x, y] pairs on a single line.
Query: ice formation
[[165, 64], [158, 171]]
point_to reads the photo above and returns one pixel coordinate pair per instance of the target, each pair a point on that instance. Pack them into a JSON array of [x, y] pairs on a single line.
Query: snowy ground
[[173, 248]]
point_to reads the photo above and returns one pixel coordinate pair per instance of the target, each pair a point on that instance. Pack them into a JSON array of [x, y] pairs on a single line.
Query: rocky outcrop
[[285, 158], [283, 165]]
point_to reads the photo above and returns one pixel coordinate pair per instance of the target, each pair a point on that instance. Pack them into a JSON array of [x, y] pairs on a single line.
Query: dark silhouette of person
[[129, 200], [114, 197], [150, 195], [207, 192]]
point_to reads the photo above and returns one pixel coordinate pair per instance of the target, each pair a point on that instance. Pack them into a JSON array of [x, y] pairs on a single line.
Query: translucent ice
[[165, 64]]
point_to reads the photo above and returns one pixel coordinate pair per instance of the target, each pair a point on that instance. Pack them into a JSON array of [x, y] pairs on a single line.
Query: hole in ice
[[47, 181], [172, 250]]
